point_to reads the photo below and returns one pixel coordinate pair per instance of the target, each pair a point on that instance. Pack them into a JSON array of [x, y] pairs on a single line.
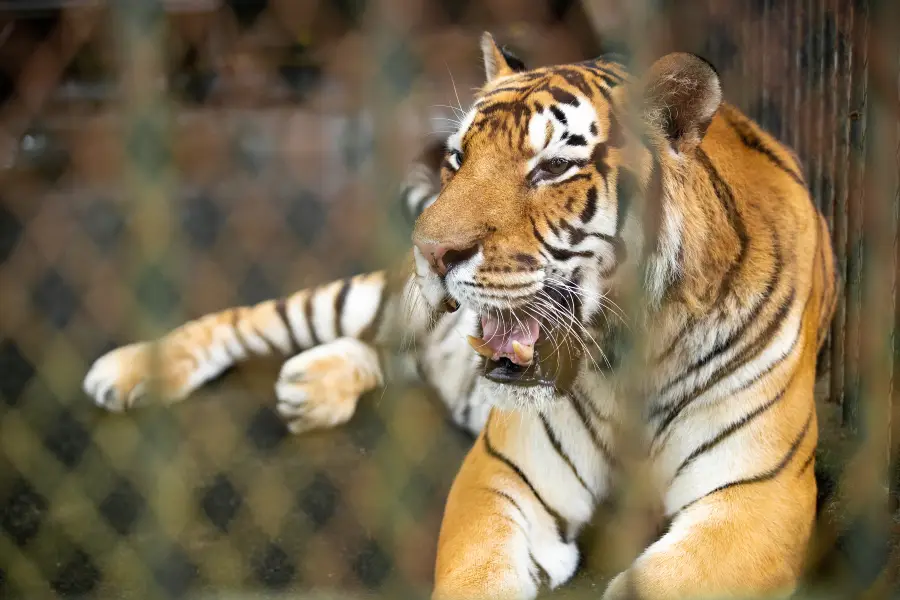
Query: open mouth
[[512, 345]]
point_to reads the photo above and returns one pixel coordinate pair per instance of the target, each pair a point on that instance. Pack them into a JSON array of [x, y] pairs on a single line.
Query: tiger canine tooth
[[480, 346], [525, 354]]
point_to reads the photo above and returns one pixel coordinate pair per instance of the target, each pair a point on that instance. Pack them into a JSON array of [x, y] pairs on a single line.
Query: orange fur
[[744, 539]]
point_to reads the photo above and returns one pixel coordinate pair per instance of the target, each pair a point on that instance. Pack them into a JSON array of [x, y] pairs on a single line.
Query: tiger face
[[533, 228]]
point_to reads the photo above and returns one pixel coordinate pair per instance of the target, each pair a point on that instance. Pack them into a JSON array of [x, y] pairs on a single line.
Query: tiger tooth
[[480, 346], [525, 354]]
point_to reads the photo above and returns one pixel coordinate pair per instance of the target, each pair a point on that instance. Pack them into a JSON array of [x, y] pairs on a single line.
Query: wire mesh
[[165, 159]]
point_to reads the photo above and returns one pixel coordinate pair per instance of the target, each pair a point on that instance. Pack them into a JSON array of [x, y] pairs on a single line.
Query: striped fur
[[697, 207]]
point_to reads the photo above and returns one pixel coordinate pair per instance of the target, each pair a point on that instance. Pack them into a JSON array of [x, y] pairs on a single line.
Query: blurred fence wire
[[161, 159]]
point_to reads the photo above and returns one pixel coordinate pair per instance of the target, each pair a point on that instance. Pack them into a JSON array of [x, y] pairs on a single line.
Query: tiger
[[566, 192]]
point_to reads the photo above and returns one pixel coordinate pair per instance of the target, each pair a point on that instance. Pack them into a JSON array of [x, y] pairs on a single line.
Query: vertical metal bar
[[796, 71], [874, 230], [742, 30], [388, 27], [844, 16], [636, 493], [785, 73], [803, 87], [765, 59], [893, 33], [819, 135], [149, 184], [856, 197], [829, 107]]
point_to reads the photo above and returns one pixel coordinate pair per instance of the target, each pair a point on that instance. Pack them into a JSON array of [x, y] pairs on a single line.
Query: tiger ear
[[498, 62], [681, 94]]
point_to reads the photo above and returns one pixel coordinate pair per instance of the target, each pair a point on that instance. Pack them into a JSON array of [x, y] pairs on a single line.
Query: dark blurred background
[[161, 160]]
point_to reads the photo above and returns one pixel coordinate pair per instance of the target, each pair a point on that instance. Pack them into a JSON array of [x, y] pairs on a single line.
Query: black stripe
[[757, 346], [558, 253], [807, 463], [560, 116], [752, 140], [371, 331], [339, 301], [575, 177], [576, 235], [500, 90], [726, 198], [689, 322], [234, 319], [603, 89], [605, 72], [563, 97], [269, 344], [515, 505], [543, 578], [557, 445], [576, 78], [552, 227], [598, 158], [723, 372], [281, 310], [588, 424], [493, 453], [308, 311], [590, 205], [509, 499], [732, 428], [767, 475], [531, 574], [729, 342], [576, 140], [227, 347]]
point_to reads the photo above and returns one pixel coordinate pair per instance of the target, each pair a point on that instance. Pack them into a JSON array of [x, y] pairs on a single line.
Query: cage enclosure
[[164, 159]]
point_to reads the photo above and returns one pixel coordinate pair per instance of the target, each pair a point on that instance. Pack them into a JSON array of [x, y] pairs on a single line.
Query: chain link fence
[[164, 159]]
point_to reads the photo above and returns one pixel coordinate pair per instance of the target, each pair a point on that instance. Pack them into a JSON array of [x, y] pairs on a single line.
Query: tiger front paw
[[119, 380], [319, 388]]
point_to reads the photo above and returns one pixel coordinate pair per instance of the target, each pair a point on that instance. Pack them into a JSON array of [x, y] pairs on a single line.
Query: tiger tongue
[[511, 338]]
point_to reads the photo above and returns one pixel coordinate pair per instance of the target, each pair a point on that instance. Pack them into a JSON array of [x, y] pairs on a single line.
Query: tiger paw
[[119, 380], [319, 388]]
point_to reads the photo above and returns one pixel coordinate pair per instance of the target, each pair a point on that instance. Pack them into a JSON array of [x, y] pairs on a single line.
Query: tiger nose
[[443, 257]]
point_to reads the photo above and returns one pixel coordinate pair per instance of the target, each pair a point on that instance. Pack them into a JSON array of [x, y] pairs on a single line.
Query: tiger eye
[[556, 166]]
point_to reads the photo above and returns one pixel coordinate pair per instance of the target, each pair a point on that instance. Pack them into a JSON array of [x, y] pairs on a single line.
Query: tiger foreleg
[[362, 307], [513, 511], [747, 541], [319, 388]]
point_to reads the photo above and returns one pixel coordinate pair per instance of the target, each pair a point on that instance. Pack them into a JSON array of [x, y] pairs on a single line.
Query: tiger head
[[552, 191]]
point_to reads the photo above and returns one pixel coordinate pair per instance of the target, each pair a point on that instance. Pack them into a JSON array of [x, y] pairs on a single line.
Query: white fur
[[578, 122], [360, 305], [296, 319]]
